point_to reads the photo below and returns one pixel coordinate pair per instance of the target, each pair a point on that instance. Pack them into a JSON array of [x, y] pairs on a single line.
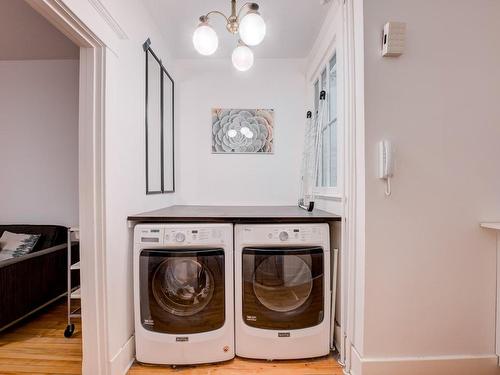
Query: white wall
[[430, 270], [265, 179], [39, 142], [125, 164], [123, 26]]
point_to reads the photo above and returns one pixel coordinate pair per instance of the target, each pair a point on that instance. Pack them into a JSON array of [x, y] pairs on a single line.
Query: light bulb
[[249, 134], [244, 130], [252, 29], [232, 133], [205, 39], [242, 58]]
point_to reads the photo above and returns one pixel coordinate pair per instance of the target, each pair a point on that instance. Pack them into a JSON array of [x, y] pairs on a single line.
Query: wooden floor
[[322, 366], [38, 346]]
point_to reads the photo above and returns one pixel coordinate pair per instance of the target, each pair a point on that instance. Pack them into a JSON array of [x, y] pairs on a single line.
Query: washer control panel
[[180, 236], [189, 236]]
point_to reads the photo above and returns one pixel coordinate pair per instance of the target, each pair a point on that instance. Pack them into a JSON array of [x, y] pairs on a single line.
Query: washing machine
[[282, 291], [183, 293]]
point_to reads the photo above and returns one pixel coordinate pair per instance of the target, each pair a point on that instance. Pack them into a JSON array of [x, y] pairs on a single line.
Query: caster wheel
[[70, 329]]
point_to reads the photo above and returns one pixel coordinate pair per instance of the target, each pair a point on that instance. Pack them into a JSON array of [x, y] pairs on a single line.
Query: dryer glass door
[[283, 288], [182, 291]]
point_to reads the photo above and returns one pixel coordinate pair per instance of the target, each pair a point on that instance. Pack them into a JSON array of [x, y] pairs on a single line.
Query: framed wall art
[[242, 131]]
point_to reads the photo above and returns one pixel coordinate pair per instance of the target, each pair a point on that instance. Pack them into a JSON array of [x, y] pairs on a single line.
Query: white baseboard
[[439, 365], [123, 360]]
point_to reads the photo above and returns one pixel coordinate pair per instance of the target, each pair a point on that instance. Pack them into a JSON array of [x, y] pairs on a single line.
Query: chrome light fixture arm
[[205, 18], [232, 22], [253, 7]]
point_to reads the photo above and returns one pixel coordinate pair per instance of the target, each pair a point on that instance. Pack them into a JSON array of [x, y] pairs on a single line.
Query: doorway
[[90, 175]]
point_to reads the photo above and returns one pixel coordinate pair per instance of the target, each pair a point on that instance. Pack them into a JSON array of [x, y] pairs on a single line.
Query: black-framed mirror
[[160, 172]]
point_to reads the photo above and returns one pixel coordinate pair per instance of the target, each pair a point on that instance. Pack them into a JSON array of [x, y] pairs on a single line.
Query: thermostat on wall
[[393, 42]]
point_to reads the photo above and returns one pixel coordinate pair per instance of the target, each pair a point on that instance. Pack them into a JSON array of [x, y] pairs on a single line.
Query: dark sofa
[[32, 281]]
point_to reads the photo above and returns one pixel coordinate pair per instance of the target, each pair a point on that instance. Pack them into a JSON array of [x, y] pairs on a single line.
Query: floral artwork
[[242, 130]]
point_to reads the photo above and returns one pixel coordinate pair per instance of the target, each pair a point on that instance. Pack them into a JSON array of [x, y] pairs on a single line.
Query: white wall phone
[[385, 164]]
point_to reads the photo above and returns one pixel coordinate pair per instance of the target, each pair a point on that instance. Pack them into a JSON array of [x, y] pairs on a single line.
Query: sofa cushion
[[51, 235], [14, 245]]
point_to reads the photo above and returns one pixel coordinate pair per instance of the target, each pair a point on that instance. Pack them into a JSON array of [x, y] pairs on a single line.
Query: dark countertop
[[254, 214]]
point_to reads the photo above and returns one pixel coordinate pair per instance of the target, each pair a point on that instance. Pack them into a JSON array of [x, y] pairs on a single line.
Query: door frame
[[91, 180], [353, 238]]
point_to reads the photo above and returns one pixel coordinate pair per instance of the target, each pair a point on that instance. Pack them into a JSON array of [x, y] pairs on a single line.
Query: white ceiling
[[26, 35], [292, 26]]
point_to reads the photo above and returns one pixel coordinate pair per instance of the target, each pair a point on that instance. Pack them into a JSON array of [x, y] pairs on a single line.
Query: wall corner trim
[[109, 19]]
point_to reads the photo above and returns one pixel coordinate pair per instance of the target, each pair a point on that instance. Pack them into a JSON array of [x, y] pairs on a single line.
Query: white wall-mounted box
[[393, 41]]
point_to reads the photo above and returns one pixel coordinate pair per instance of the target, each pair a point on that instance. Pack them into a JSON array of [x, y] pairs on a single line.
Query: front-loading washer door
[[283, 288], [182, 291]]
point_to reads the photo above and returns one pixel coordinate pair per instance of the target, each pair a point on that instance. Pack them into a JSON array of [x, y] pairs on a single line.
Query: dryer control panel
[[283, 234]]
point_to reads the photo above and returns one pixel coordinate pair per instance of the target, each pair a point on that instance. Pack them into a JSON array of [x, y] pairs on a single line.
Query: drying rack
[[73, 293], [313, 140]]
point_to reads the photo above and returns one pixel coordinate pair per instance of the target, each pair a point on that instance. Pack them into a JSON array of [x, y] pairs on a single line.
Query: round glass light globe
[[232, 133], [205, 40], [252, 29], [242, 58], [244, 130], [249, 134]]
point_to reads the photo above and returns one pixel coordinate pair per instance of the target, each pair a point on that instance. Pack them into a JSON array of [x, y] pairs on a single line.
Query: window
[[327, 182]]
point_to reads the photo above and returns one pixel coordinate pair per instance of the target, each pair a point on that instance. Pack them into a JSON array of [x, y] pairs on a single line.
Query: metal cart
[[73, 293]]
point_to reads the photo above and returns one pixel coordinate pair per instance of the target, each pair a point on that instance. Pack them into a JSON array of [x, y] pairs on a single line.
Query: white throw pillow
[[14, 245]]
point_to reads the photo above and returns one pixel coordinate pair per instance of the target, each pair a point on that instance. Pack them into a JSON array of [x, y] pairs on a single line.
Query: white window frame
[[334, 49]]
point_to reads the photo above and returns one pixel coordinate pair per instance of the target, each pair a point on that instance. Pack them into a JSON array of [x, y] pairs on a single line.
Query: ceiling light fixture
[[251, 29]]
